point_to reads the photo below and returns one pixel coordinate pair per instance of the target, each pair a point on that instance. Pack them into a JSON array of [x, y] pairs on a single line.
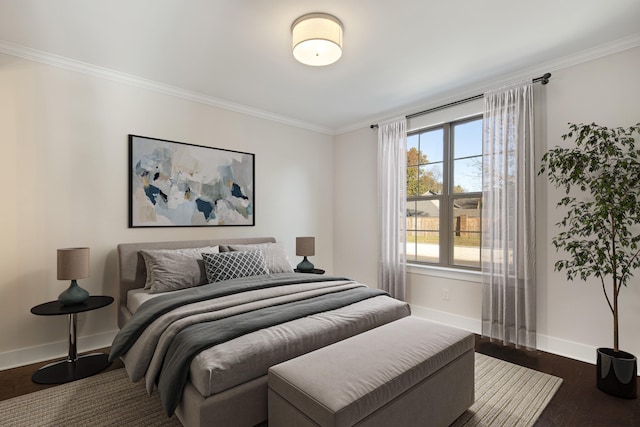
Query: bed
[[251, 323]]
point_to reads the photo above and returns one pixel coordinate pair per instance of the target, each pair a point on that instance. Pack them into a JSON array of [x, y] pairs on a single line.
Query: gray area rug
[[506, 395]]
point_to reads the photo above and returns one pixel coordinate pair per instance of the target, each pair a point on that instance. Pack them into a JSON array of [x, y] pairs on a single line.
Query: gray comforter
[[167, 332], [156, 307]]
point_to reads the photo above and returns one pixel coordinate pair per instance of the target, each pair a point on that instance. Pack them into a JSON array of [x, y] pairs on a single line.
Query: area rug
[[506, 395]]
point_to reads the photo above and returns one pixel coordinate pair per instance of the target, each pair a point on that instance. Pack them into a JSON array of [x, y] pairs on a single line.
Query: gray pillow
[[173, 269], [230, 265], [274, 256]]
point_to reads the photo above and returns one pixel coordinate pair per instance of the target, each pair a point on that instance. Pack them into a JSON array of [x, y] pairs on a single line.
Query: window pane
[[411, 212], [412, 149], [466, 231], [411, 244], [423, 246], [430, 179], [467, 139], [429, 212], [423, 221], [427, 246], [467, 175], [411, 226], [464, 251], [431, 145], [412, 181]]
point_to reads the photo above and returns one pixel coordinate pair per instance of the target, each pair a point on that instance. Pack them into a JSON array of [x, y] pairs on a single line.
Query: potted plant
[[600, 176]]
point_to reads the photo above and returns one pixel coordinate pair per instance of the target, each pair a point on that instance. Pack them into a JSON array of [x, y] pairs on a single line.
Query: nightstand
[[314, 271], [74, 367]]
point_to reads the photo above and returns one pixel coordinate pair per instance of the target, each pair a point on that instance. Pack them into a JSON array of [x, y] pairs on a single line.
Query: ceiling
[[397, 55]]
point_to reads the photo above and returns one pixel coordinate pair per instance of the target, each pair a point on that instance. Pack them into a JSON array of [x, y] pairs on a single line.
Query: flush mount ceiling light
[[317, 39]]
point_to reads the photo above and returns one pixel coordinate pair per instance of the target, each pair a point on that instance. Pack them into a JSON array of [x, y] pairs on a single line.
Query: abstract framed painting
[[174, 184]]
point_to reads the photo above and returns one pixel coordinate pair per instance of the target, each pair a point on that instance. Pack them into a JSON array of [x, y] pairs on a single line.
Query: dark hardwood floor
[[17, 381], [578, 403]]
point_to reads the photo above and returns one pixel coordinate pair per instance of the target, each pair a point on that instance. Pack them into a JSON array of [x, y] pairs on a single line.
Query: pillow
[[274, 256], [173, 269], [229, 265]]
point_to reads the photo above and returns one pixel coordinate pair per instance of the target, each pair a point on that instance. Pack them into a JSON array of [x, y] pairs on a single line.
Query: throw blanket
[[156, 307], [177, 352]]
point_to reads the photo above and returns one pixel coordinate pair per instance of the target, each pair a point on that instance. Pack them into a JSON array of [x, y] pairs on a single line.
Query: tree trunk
[[614, 267], [615, 313]]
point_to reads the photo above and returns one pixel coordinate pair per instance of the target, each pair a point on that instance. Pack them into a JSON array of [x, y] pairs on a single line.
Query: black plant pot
[[617, 373]]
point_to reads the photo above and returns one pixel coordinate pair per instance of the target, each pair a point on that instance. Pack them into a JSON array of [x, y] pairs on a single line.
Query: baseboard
[[461, 322], [55, 350], [558, 346]]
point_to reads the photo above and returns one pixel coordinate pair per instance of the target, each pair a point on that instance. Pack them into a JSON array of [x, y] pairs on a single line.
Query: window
[[444, 194]]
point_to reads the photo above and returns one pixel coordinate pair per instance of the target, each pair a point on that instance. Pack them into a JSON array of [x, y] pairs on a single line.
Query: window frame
[[447, 198]]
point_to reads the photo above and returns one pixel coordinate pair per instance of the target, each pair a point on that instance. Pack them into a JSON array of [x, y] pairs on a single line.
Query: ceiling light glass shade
[[317, 39]]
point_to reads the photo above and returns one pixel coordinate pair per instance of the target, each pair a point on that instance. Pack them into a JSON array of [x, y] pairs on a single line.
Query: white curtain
[[392, 198], [508, 215]]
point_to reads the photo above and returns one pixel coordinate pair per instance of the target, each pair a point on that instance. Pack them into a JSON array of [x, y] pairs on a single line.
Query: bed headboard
[[132, 273]]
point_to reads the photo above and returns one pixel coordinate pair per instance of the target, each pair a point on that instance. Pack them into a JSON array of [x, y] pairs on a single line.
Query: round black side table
[[74, 367]]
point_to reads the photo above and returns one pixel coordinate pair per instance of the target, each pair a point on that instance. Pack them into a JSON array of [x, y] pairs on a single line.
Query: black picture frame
[[175, 184]]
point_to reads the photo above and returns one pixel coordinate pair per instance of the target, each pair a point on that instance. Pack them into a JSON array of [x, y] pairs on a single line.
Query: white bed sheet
[[136, 297]]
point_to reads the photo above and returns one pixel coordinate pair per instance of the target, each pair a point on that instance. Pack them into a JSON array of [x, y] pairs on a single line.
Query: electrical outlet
[[445, 294]]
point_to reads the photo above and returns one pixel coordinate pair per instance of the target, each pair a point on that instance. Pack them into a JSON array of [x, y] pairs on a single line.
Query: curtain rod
[[544, 79]]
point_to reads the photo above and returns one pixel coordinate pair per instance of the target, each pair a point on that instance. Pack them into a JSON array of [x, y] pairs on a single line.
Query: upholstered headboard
[[132, 273]]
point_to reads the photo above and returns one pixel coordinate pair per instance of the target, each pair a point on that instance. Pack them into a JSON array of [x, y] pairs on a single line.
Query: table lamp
[[305, 246], [73, 264]]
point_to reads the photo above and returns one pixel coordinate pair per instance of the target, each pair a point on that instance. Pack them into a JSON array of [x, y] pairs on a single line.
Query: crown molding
[[583, 56], [131, 80], [586, 55]]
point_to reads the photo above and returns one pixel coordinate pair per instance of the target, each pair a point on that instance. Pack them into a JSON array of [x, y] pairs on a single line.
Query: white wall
[[64, 183], [605, 91], [573, 318], [356, 213]]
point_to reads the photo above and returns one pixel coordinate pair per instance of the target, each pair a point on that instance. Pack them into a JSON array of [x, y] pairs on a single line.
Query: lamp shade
[[317, 39], [73, 263], [305, 246]]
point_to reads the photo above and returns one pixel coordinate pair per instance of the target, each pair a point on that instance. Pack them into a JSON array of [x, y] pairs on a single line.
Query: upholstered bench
[[410, 372]]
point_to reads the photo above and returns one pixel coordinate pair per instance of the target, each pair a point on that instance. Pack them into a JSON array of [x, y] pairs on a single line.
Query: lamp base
[[73, 295], [305, 266]]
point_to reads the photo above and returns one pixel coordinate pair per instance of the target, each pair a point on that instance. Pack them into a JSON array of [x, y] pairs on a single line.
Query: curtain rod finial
[[545, 78]]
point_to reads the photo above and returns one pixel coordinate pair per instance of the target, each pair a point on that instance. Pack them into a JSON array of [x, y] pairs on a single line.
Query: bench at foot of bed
[[410, 372]]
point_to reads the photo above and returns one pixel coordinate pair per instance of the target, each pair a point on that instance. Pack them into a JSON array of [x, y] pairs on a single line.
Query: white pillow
[[274, 255], [230, 265], [173, 269]]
